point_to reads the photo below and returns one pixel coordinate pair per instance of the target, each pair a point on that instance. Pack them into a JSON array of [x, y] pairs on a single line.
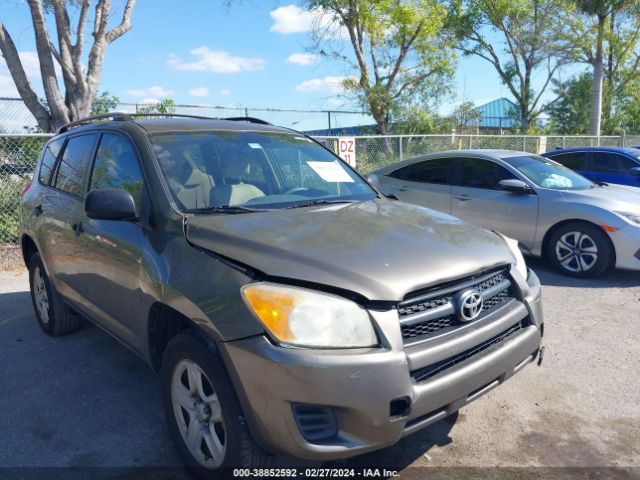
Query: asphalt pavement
[[84, 401]]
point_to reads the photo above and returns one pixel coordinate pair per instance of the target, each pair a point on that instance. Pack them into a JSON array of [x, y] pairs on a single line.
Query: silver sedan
[[584, 228]]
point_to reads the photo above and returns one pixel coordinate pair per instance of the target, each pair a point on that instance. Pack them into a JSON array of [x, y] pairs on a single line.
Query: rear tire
[[580, 249], [54, 316], [203, 413]]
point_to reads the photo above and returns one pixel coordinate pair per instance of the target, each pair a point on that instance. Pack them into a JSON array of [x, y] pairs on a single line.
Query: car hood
[[610, 197], [380, 249]]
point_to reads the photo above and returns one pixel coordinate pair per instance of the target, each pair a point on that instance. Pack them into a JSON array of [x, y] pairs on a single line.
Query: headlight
[[632, 218], [520, 265], [301, 317]]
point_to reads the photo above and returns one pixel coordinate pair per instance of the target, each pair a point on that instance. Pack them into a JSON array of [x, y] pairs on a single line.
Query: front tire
[[579, 249], [54, 316], [204, 415]]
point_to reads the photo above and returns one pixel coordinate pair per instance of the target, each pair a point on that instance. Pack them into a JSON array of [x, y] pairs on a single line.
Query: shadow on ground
[[611, 279]]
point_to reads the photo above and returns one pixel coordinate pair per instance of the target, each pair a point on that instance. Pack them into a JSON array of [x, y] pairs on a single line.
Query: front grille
[[429, 371], [425, 314]]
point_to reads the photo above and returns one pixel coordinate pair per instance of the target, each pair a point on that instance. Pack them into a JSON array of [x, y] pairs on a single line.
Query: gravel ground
[[84, 400]]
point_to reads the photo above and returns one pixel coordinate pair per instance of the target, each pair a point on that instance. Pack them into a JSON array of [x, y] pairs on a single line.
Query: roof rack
[[116, 116], [124, 116], [247, 119]]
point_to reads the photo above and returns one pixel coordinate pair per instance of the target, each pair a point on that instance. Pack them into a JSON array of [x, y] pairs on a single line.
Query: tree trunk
[[80, 87], [596, 87], [525, 121]]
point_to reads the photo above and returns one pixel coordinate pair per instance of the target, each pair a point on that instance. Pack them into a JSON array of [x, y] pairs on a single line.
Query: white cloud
[[303, 59], [208, 60], [326, 84], [199, 92], [224, 92], [293, 19], [153, 92]]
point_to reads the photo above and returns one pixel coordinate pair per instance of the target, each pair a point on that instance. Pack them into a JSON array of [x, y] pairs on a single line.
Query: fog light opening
[[400, 407]]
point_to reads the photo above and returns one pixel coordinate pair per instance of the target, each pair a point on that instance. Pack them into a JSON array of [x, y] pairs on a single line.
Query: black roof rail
[[123, 116], [117, 116], [180, 115], [247, 119]]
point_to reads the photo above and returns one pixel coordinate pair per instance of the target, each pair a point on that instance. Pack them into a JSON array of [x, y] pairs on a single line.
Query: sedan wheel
[[580, 249], [198, 414], [576, 252]]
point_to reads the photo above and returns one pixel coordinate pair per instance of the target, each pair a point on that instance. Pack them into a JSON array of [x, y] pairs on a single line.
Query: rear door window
[[429, 171], [73, 166], [480, 173], [573, 160], [49, 157]]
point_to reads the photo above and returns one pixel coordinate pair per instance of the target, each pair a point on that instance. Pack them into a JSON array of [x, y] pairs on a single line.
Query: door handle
[[37, 210], [402, 188], [462, 197], [77, 227]]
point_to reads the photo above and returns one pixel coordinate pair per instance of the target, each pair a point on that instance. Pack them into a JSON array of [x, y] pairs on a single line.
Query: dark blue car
[[604, 164]]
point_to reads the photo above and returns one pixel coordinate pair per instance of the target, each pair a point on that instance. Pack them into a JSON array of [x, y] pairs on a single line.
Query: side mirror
[[635, 171], [514, 185], [110, 204]]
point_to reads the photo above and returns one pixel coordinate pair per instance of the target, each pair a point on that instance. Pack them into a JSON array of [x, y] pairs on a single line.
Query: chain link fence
[[19, 154], [18, 157], [377, 151], [15, 117]]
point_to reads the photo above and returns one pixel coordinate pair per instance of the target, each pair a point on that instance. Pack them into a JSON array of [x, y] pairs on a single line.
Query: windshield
[[548, 174], [239, 171]]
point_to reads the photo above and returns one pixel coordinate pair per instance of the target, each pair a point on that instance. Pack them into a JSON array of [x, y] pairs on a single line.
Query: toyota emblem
[[469, 305]]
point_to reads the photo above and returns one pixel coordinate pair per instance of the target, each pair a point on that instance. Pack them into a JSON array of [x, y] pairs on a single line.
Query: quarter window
[[73, 166], [479, 173], [117, 166], [49, 160]]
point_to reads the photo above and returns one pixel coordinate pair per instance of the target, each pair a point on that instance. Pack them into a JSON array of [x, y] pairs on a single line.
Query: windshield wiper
[[600, 183], [229, 209], [311, 203]]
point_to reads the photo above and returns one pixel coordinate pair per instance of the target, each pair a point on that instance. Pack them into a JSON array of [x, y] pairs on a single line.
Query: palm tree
[[602, 10]]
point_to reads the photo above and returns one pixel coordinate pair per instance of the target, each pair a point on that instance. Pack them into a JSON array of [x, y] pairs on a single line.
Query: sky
[[253, 53]]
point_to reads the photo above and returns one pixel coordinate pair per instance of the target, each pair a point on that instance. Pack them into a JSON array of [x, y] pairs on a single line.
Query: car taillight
[[25, 188]]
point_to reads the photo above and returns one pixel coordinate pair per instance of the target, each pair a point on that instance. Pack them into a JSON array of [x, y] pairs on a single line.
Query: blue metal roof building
[[497, 114]]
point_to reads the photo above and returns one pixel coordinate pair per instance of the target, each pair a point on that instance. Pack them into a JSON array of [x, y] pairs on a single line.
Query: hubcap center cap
[[203, 412]]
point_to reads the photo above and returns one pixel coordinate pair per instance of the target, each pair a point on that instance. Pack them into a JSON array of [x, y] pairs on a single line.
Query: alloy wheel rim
[[198, 414], [40, 295], [576, 252]]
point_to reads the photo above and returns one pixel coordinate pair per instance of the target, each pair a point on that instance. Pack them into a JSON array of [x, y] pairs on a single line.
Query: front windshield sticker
[[331, 172], [255, 145]]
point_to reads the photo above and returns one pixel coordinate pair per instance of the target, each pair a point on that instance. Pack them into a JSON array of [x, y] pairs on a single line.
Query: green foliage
[[569, 115], [10, 188], [166, 105], [403, 51], [104, 103], [522, 40]]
